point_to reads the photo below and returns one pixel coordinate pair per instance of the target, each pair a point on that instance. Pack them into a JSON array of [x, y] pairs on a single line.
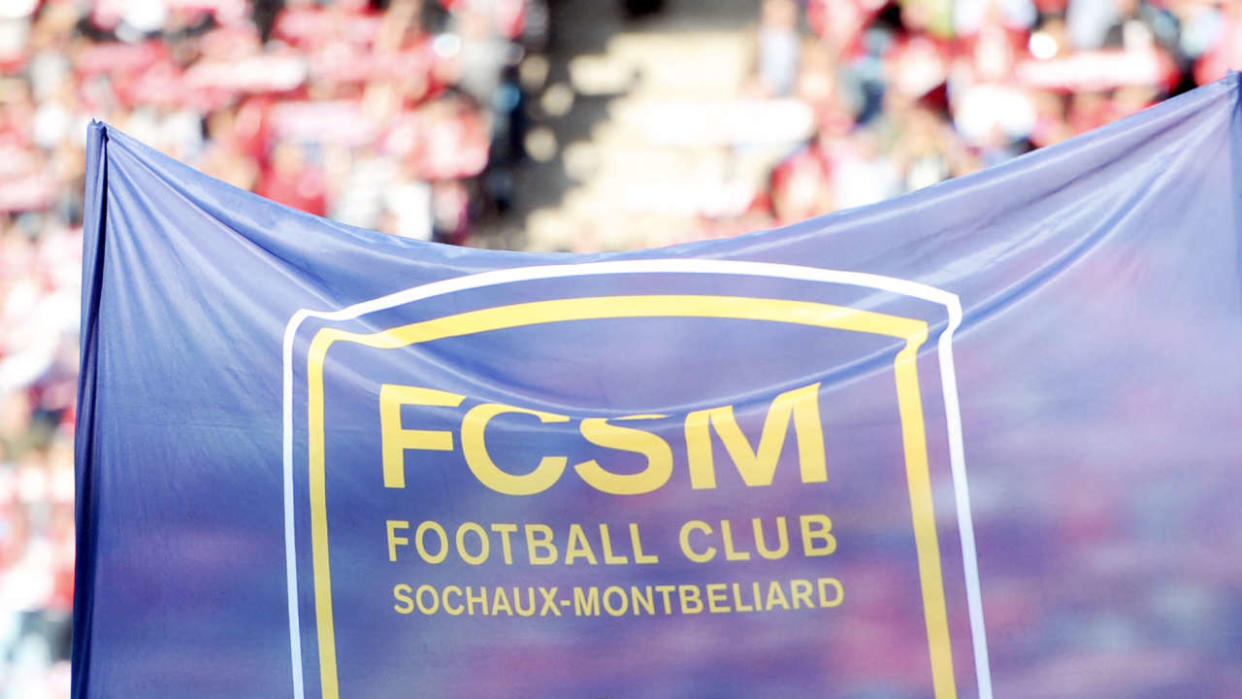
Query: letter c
[[474, 424]]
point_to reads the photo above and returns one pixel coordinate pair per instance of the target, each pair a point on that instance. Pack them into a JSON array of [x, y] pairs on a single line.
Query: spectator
[[273, 98]]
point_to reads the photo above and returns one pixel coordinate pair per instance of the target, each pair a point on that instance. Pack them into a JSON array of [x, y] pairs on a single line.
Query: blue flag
[[984, 439]]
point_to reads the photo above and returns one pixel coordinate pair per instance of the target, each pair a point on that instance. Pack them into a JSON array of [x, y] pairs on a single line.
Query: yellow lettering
[[394, 540], [586, 603], [684, 537], [726, 537], [738, 604], [405, 604], [578, 547], [539, 538], [396, 440], [424, 591], [605, 542], [782, 538], [758, 466], [472, 599], [500, 602], [666, 593], [642, 600], [817, 528], [473, 445], [824, 584], [691, 599], [454, 610], [699, 450], [421, 547], [776, 597], [506, 548], [517, 601], [621, 604], [801, 590], [549, 602], [484, 544], [637, 542], [659, 456]]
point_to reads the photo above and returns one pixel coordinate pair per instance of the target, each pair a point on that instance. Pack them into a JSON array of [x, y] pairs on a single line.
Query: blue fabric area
[[1083, 303]]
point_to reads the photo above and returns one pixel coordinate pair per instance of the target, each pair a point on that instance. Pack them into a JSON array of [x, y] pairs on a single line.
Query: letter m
[[757, 466], [586, 602]]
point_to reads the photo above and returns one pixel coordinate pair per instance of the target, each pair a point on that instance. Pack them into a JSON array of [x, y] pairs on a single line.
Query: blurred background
[[522, 124]]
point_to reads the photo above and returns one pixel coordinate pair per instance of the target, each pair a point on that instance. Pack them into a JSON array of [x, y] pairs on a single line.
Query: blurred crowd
[[907, 94], [409, 116], [402, 116]]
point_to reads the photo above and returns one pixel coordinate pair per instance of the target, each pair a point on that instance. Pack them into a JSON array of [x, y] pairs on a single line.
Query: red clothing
[[305, 191]]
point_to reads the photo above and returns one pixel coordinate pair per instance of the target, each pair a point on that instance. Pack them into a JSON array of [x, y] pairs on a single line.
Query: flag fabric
[[983, 439]]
